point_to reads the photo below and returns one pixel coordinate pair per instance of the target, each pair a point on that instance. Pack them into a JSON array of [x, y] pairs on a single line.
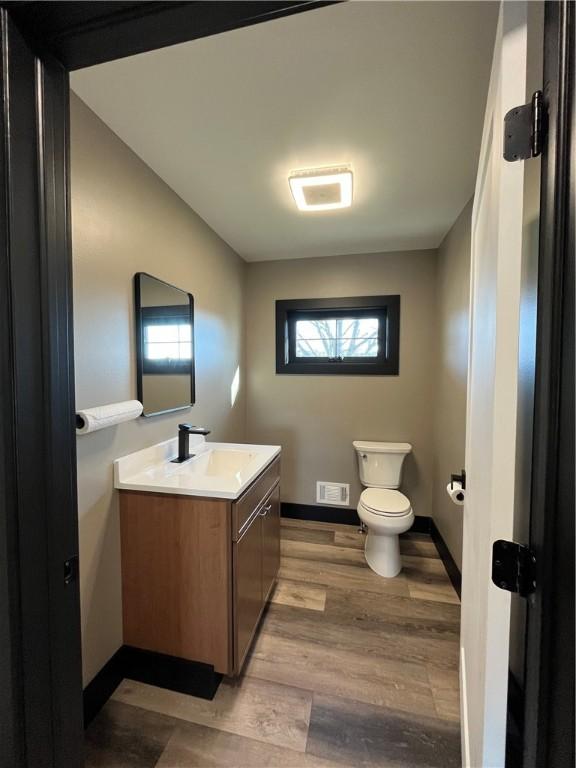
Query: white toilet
[[385, 511]]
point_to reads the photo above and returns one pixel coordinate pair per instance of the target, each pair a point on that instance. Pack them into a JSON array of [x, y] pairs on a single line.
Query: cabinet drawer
[[253, 497]]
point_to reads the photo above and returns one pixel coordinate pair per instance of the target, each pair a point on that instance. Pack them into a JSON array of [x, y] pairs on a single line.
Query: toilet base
[[382, 552]]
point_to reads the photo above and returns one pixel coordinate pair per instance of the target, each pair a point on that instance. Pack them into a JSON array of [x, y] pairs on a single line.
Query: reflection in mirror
[[165, 345]]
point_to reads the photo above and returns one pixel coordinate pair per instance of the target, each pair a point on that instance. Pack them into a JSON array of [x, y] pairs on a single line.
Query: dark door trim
[[37, 406], [82, 34], [549, 673]]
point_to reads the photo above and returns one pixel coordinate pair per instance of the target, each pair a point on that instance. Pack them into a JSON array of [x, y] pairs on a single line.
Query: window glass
[[337, 337], [168, 342]]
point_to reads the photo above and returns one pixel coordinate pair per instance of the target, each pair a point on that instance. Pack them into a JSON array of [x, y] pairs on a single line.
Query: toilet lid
[[383, 501]]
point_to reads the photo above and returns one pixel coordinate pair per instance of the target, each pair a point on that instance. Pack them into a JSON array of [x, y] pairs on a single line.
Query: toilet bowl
[[386, 514], [385, 511]]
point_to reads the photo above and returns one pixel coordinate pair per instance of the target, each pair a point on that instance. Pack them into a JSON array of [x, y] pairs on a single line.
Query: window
[[338, 336]]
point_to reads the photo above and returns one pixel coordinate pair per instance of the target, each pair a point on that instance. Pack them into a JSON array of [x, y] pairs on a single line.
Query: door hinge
[[71, 569], [524, 130], [513, 567]]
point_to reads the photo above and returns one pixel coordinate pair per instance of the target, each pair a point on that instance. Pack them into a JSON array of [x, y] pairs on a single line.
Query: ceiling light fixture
[[322, 189]]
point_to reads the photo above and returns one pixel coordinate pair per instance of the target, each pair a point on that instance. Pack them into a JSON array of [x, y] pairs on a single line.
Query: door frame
[[549, 660], [40, 648], [39, 556]]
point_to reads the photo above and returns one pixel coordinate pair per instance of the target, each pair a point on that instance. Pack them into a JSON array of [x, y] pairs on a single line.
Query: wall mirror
[[164, 345]]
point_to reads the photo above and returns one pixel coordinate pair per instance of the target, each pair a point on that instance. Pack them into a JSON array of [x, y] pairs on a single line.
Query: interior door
[[491, 422]]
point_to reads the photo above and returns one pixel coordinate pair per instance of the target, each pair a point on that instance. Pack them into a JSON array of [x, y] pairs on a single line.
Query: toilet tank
[[380, 464]]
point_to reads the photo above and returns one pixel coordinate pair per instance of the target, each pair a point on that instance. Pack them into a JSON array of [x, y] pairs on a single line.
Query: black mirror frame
[[140, 345]]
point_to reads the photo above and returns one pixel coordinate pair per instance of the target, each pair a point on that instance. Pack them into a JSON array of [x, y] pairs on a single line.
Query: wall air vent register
[[336, 494]]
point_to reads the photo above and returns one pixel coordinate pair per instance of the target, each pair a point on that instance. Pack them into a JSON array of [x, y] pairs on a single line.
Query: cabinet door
[[249, 598], [270, 541]]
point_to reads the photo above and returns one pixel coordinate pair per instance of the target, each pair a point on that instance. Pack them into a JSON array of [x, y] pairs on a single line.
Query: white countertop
[[219, 470]]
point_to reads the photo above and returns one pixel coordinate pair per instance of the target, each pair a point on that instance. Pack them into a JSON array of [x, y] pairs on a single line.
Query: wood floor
[[349, 669]]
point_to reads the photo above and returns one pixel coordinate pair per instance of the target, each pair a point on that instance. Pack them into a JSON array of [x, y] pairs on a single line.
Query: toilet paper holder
[[461, 478]]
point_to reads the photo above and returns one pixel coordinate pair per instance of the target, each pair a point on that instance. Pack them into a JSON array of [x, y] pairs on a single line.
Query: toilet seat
[[385, 502]]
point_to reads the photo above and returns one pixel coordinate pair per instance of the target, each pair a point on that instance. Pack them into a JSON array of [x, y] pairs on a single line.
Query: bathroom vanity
[[200, 549]]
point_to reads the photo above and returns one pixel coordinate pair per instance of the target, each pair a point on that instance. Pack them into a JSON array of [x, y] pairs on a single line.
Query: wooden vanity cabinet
[[197, 572]]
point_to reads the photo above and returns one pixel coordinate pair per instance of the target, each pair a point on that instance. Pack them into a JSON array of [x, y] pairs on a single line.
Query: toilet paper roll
[[93, 419], [456, 492]]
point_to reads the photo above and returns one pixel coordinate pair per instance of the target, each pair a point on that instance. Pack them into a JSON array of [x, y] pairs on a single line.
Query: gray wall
[[125, 220], [316, 418], [453, 281]]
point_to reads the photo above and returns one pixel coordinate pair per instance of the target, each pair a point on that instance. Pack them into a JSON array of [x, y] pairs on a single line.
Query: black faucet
[[184, 432]]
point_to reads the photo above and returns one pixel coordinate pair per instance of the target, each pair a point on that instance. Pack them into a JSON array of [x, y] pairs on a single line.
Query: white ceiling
[[396, 89]]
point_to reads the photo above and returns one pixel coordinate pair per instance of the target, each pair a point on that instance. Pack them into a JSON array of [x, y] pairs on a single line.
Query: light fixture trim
[[316, 177]]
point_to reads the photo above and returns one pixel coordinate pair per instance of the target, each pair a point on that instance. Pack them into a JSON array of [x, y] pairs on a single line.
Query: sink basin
[[217, 462], [222, 470]]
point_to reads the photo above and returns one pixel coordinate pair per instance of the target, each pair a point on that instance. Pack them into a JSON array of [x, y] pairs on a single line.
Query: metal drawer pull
[[265, 510]]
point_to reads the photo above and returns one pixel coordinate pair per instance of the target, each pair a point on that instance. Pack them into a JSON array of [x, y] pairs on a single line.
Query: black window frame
[[386, 308]]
